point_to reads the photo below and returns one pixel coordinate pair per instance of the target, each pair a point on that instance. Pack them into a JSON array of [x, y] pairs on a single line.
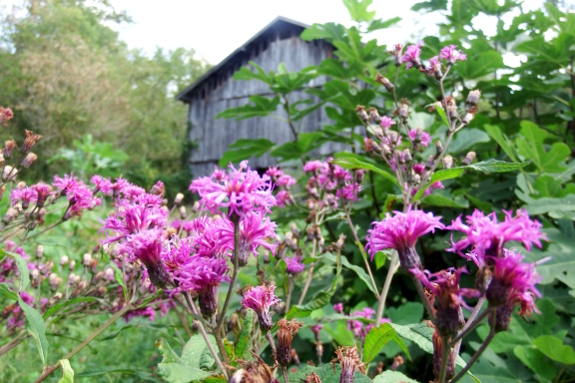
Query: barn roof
[[281, 27]]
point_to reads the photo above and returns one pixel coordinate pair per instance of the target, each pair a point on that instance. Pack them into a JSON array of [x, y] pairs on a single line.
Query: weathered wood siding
[[213, 136]]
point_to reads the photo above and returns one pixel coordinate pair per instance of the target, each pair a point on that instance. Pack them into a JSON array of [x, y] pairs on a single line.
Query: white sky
[[215, 28]]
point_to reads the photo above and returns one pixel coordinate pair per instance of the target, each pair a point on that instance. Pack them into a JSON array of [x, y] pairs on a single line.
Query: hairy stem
[[471, 327], [393, 266], [445, 359], [90, 338], [285, 374], [425, 301], [289, 292], [309, 275], [272, 343]]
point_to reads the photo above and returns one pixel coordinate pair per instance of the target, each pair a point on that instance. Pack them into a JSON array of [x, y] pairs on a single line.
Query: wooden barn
[[216, 91]]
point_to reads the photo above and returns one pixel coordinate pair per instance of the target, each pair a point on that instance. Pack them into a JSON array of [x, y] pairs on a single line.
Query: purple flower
[[255, 231], [425, 137], [419, 168], [411, 56], [349, 192], [314, 166], [260, 299], [241, 192], [103, 185], [451, 54], [400, 232], [316, 329], [487, 236], [146, 246], [386, 122], [356, 326], [79, 195], [26, 195], [274, 172], [131, 218], [513, 283], [43, 191], [338, 307], [294, 265], [203, 275], [283, 198], [285, 180]]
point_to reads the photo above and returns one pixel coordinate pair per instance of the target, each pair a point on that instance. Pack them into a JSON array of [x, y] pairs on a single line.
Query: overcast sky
[[215, 28]]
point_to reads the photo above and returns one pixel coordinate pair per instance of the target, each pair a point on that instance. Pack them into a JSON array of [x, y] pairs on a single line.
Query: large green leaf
[[392, 377], [57, 307], [260, 107], [352, 161], [361, 273], [327, 373], [36, 328], [377, 338], [245, 334], [382, 24], [530, 146], [546, 205], [467, 138], [535, 360], [555, 349], [358, 10], [67, 372], [168, 355], [193, 350], [489, 166], [479, 65], [7, 293], [179, 373], [22, 268], [495, 133], [243, 149], [407, 313], [142, 375]]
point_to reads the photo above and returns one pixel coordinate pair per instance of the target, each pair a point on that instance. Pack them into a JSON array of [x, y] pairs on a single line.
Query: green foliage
[[36, 329], [377, 338], [67, 372]]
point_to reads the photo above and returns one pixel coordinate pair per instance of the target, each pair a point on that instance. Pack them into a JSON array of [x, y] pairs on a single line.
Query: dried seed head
[[87, 260], [9, 146], [348, 358], [384, 81], [362, 113], [11, 214], [313, 378], [9, 173], [29, 141], [472, 98], [285, 335], [72, 265], [6, 115], [374, 115], [468, 118]]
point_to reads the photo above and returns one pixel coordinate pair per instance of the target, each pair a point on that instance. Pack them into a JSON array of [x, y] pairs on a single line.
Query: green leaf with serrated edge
[[207, 361], [245, 334], [530, 146], [489, 166], [407, 313], [495, 133], [351, 161], [421, 334], [54, 309], [555, 349], [361, 273], [325, 372], [194, 348], [377, 338], [119, 277], [22, 268], [67, 372], [244, 149], [322, 299], [392, 377], [7, 293], [535, 360], [168, 355], [179, 373], [36, 328], [546, 205]]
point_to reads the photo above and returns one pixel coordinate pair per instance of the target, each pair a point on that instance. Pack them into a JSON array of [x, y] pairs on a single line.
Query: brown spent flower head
[[29, 142], [313, 378], [384, 81], [286, 332], [360, 109], [29, 160], [9, 146], [6, 115], [253, 372], [348, 358]]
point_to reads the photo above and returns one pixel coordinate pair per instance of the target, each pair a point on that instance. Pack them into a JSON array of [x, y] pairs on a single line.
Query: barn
[[216, 91]]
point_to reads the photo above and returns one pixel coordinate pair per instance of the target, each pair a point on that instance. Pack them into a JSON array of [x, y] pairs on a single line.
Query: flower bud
[[34, 274], [55, 298], [2, 190], [11, 214], [108, 274], [72, 265], [468, 158], [54, 281], [6, 115], [285, 335], [447, 162], [39, 251], [468, 118], [179, 198], [407, 155], [374, 115], [28, 160], [396, 52], [438, 148], [158, 189], [472, 99], [196, 207], [9, 173], [207, 298], [362, 113], [87, 260], [295, 357], [9, 147], [232, 323], [384, 81], [404, 110], [183, 214], [73, 279]]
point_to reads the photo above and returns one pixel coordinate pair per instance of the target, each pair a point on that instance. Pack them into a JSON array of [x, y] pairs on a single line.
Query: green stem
[[393, 266], [236, 221], [78, 348]]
